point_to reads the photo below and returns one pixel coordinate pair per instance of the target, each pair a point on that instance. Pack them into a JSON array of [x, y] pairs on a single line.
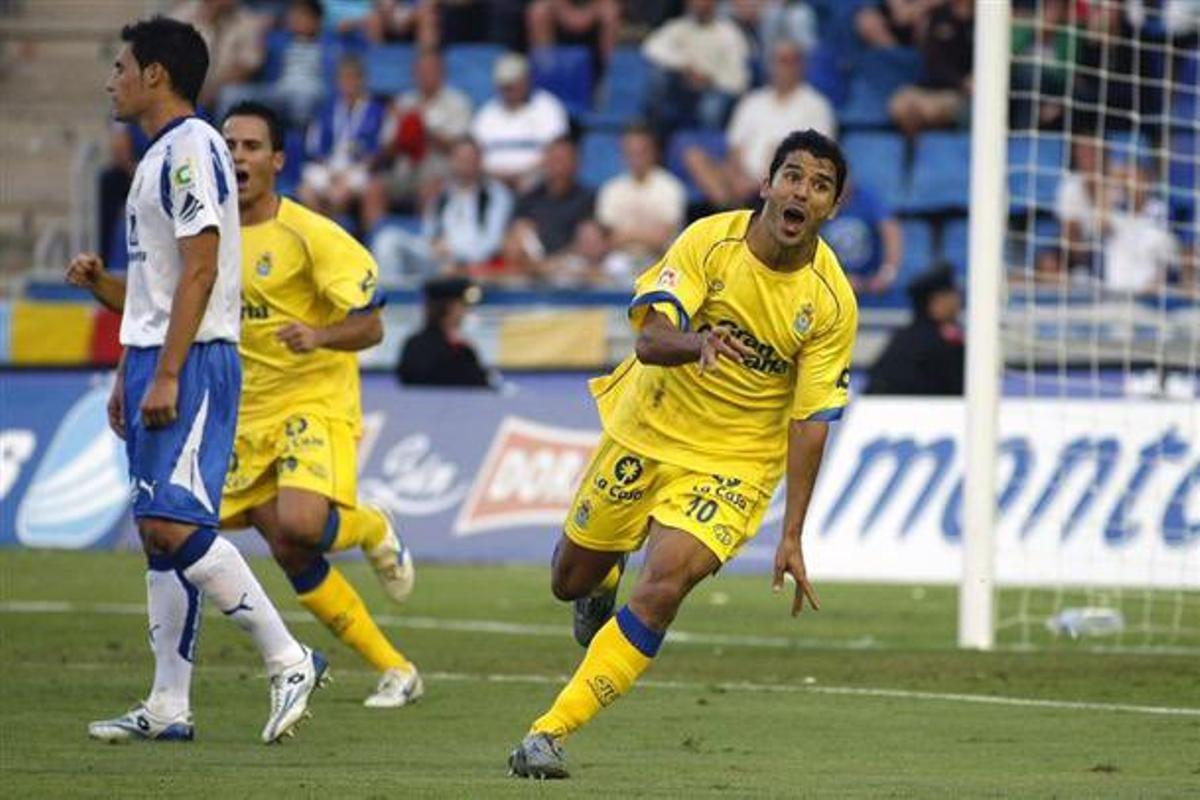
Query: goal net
[[1097, 530]]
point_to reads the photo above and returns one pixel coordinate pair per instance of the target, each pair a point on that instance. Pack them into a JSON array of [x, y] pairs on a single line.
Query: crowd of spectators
[[441, 180]]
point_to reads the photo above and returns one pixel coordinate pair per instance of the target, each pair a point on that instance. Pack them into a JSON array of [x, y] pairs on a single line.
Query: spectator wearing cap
[[514, 128], [437, 355], [700, 66], [925, 357]]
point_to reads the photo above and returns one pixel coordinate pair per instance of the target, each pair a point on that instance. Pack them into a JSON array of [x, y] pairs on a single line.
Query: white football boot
[[397, 687], [140, 723], [392, 562], [290, 692]]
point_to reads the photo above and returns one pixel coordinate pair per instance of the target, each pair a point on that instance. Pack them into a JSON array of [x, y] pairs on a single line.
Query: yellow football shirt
[[300, 267], [732, 421]]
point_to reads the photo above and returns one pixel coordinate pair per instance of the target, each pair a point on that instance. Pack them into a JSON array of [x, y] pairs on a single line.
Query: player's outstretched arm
[[806, 446], [87, 271], [356, 332], [160, 404], [662, 344]]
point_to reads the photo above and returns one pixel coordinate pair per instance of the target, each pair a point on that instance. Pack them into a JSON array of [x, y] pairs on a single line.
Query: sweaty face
[[255, 162], [126, 87], [802, 195]]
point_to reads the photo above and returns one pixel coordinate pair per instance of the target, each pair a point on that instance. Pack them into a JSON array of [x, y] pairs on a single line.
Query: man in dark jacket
[[437, 355], [925, 356]]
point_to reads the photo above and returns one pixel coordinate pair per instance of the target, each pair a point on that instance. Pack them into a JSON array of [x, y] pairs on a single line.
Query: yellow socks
[[346, 528], [620, 652], [329, 597]]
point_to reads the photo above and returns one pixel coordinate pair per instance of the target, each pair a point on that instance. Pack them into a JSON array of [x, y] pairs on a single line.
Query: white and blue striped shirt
[[184, 184]]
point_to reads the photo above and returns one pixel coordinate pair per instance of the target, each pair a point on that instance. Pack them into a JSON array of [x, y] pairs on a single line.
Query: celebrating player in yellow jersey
[[745, 331], [309, 301]]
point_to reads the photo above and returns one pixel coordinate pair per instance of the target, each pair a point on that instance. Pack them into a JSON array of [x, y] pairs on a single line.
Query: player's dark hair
[[250, 108], [176, 46], [818, 145]]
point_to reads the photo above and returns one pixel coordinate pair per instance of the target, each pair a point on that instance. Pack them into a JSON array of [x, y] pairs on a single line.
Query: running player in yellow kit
[[745, 332], [309, 301]]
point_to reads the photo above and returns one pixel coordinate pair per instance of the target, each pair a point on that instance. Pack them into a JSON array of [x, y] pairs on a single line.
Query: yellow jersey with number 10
[[732, 421], [300, 267]]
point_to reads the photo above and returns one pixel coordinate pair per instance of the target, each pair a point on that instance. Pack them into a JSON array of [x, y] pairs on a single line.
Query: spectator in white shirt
[[1139, 248], [760, 122], [642, 209], [466, 224], [1077, 207], [514, 128], [701, 65]]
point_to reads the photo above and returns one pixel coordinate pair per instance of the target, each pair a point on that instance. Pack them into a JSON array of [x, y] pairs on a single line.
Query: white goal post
[[988, 212]]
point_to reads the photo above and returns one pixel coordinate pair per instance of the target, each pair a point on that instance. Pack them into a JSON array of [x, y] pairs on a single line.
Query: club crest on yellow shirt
[[804, 320], [263, 267]]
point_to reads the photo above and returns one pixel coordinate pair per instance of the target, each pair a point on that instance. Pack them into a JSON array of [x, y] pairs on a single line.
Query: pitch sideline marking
[[467, 626], [53, 607]]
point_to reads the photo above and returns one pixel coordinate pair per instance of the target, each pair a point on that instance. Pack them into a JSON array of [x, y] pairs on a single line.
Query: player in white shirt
[[176, 396]]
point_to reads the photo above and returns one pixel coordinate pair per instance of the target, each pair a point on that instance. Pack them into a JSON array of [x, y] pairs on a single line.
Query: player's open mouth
[[793, 217], [242, 177]]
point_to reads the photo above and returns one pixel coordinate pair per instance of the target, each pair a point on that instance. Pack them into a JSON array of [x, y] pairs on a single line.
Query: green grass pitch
[[866, 698]]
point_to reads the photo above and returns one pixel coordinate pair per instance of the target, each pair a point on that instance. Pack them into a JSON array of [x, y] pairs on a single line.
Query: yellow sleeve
[[823, 375], [344, 271], [676, 285]]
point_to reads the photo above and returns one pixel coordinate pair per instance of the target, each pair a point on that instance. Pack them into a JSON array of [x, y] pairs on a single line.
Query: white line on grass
[[485, 626], [531, 679], [468, 626]]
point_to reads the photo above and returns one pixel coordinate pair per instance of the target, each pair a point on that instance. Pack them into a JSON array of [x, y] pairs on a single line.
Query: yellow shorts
[[623, 490], [303, 451]]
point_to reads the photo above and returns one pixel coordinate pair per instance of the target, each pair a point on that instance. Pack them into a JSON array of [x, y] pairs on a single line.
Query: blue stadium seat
[[389, 68], [955, 243], [599, 158], [1185, 99], [1183, 175], [940, 177], [877, 162], [918, 257], [469, 68], [918, 250], [622, 96], [712, 142], [1035, 166], [824, 71], [565, 72], [876, 74], [288, 180]]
